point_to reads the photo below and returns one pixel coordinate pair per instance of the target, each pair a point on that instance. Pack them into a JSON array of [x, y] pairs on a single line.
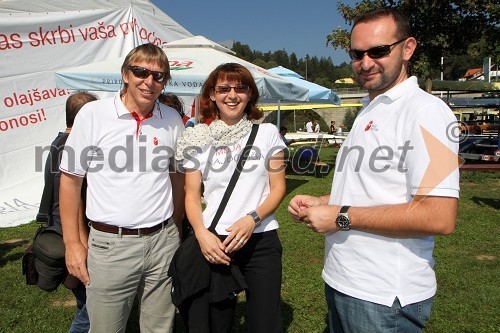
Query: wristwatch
[[343, 219], [256, 218]]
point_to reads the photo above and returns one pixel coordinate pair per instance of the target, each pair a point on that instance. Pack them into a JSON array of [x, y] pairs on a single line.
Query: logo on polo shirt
[[155, 141], [371, 126]]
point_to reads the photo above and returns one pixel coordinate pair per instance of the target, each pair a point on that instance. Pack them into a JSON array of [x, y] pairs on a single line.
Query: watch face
[[343, 221]]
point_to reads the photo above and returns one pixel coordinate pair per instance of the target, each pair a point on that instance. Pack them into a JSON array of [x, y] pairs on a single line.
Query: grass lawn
[[467, 268]]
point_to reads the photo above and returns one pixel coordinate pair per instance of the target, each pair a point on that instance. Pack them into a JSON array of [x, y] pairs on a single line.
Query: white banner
[[32, 46]]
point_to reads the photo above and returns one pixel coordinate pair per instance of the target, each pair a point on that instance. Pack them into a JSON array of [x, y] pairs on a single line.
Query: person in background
[[382, 214], [332, 127], [134, 200], [74, 103], [309, 126], [316, 126], [340, 129], [247, 228], [283, 131], [172, 100], [175, 103]]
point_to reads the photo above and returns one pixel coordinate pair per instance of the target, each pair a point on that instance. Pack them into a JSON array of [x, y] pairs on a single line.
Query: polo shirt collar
[[394, 93], [121, 109]]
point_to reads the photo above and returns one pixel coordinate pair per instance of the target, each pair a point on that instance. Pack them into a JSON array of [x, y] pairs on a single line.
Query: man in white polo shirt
[[389, 196], [124, 146], [309, 126]]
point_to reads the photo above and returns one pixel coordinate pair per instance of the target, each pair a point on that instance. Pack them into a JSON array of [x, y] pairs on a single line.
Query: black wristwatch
[[343, 219], [256, 218]]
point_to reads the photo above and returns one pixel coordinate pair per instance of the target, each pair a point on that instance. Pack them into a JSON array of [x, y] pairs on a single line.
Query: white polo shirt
[[382, 162], [126, 162], [253, 186]]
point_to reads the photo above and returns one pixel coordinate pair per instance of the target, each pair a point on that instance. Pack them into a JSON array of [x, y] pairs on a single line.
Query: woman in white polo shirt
[[247, 228]]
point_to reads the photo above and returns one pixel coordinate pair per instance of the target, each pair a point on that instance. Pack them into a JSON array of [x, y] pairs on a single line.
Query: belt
[[126, 231]]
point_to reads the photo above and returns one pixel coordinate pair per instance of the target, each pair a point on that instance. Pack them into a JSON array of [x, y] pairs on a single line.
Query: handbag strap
[[234, 178]]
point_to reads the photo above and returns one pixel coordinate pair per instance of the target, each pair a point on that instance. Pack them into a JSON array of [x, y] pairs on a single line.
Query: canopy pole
[[278, 122], [294, 122]]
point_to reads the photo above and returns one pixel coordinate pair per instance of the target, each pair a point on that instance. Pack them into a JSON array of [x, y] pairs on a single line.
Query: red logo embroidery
[[367, 128], [155, 141]]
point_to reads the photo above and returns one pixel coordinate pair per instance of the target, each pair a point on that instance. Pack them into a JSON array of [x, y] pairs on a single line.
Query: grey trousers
[[123, 267]]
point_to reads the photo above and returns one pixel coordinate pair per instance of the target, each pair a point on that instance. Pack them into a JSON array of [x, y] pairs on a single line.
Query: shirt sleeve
[[196, 161]]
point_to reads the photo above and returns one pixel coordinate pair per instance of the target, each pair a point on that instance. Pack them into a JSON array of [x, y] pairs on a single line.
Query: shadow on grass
[[493, 203], [314, 169], [292, 184], [239, 325], [7, 246]]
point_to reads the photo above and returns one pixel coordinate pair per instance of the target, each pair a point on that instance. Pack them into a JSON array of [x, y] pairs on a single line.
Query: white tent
[[191, 61], [36, 39]]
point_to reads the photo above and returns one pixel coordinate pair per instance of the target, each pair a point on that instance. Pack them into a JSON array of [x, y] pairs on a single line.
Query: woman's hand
[[212, 248], [239, 233]]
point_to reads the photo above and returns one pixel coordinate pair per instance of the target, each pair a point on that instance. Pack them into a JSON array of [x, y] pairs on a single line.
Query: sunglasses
[[144, 73], [374, 52], [239, 89]]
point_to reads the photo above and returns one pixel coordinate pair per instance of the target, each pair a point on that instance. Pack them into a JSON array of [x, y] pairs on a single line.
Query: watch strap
[[256, 218], [344, 209]]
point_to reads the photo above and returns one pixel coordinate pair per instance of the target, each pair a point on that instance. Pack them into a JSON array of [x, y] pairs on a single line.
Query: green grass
[[467, 268]]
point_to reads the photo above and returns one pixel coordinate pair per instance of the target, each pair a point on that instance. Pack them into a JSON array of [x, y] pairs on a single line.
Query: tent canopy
[[191, 61], [317, 93], [282, 71], [198, 41], [38, 38]]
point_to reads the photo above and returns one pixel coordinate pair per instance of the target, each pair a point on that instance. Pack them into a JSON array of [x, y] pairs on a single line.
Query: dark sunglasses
[[144, 73], [374, 52], [239, 89]]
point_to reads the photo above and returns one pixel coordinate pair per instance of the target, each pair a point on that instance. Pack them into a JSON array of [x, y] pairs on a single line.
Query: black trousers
[[260, 263]]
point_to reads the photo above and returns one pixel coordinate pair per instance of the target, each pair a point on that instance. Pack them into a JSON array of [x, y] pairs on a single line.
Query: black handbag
[[190, 271], [43, 262]]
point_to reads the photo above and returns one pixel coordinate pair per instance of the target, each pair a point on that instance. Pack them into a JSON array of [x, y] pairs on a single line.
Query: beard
[[383, 80]]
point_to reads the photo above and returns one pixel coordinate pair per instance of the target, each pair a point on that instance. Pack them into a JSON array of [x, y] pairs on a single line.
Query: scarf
[[218, 133]]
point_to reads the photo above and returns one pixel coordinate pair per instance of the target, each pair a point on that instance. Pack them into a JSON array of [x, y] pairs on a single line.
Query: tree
[[243, 51], [325, 82], [281, 57], [321, 71], [259, 62], [442, 28], [349, 117], [294, 62]]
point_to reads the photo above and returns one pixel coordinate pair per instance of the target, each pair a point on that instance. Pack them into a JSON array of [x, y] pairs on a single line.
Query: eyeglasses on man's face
[[144, 73], [239, 89], [374, 52]]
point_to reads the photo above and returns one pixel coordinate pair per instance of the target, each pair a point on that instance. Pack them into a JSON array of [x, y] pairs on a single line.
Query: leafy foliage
[[349, 117], [321, 71], [462, 31]]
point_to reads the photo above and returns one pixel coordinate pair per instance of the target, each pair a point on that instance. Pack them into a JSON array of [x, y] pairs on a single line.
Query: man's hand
[[320, 219], [301, 202], [76, 261]]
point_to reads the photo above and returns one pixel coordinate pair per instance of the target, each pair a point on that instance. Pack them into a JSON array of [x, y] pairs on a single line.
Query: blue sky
[[264, 25]]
